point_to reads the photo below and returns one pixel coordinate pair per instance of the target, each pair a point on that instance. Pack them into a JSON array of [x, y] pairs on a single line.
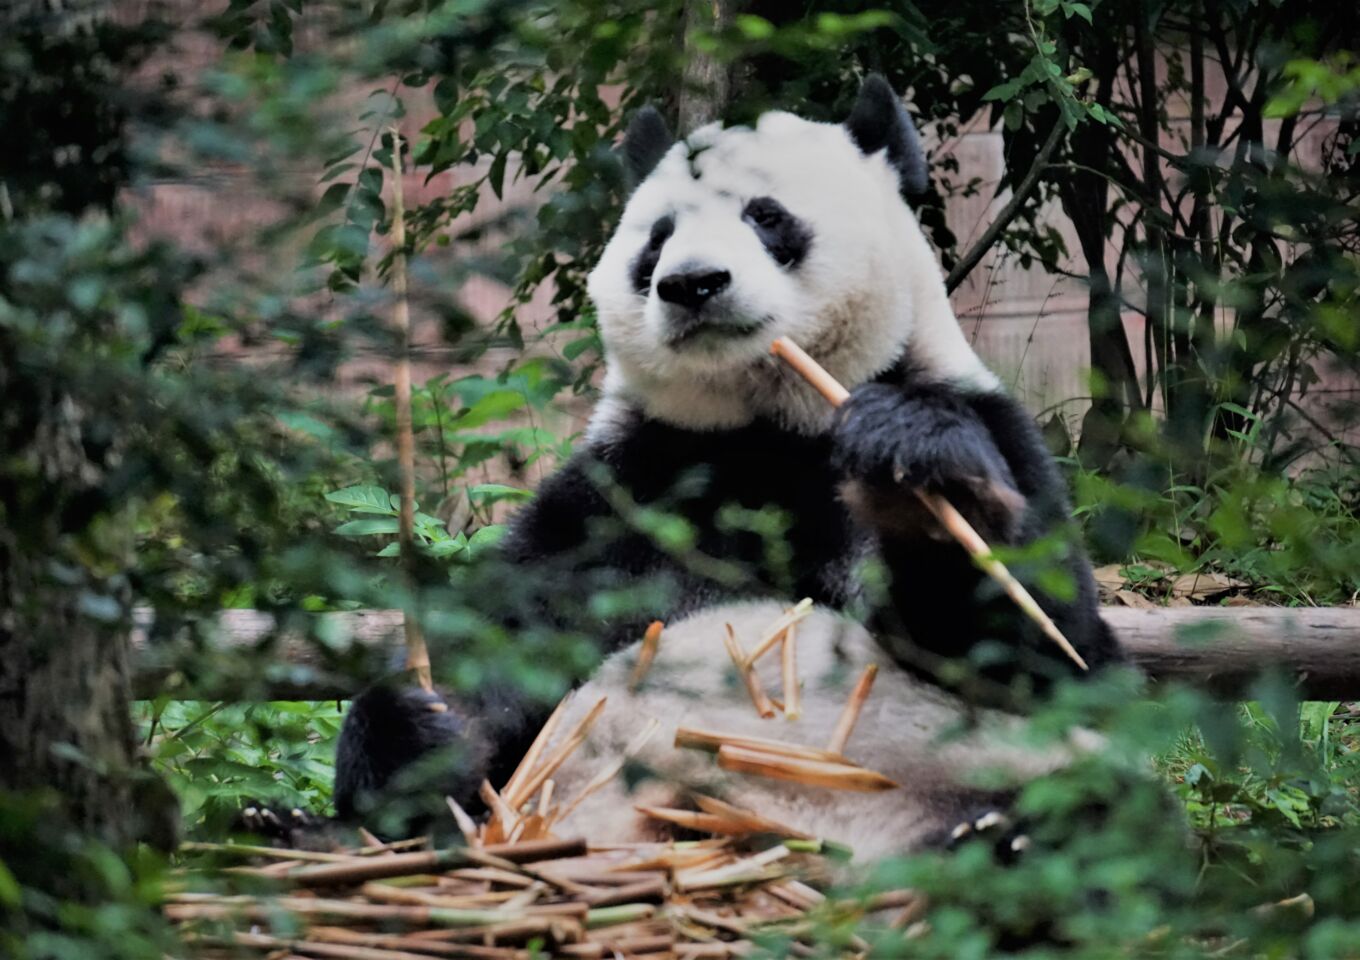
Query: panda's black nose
[[692, 288]]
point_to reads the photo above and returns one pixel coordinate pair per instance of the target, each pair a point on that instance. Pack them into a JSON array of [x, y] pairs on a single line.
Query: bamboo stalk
[[279, 853], [538, 850], [266, 909], [845, 725], [338, 951], [423, 945], [623, 947], [793, 702], [749, 870], [651, 642], [417, 654], [361, 869], [814, 773], [652, 890], [710, 742], [748, 675], [945, 512], [620, 913]]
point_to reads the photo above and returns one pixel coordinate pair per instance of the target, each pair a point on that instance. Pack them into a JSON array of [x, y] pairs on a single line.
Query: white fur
[[868, 291], [919, 736]]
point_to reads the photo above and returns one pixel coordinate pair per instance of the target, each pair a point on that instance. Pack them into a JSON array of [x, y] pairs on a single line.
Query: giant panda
[[734, 236]]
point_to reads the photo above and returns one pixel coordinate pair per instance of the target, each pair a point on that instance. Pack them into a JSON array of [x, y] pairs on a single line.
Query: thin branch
[[417, 655], [1008, 212]]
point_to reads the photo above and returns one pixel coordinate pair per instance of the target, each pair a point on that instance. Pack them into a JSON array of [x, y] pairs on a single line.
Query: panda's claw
[[991, 819], [995, 827]]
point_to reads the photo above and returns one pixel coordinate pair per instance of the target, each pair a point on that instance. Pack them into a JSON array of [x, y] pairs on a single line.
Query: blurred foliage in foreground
[[144, 463]]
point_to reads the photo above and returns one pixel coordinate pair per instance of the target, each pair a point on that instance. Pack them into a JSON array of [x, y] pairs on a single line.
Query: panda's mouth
[[699, 331]]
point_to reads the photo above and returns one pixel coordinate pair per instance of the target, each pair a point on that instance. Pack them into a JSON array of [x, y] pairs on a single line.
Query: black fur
[[880, 122], [644, 264], [645, 143], [386, 728], [980, 449], [787, 238]]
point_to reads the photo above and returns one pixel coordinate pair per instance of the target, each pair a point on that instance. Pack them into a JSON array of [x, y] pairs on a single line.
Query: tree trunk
[[1085, 199], [65, 724], [706, 86]]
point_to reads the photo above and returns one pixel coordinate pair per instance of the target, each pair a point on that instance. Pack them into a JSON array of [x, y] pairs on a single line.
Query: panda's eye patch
[[786, 238], [661, 232], [765, 212], [645, 262]]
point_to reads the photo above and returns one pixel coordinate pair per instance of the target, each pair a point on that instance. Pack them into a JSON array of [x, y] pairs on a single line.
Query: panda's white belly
[[946, 758]]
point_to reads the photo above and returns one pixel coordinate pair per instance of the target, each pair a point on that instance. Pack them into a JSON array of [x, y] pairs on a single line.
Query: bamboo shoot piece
[[775, 632], [710, 742], [845, 725], [573, 740], [793, 703], [651, 642], [812, 773], [748, 675], [513, 786]]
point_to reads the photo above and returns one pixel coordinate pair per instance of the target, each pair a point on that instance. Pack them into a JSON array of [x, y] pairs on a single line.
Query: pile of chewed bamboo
[[515, 889]]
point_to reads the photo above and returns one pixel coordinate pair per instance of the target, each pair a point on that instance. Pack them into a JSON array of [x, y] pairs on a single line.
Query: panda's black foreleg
[[938, 608], [403, 750], [890, 440], [399, 742]]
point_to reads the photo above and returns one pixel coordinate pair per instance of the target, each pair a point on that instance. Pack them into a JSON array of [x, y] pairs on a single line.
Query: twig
[[953, 521], [1007, 213], [417, 654]]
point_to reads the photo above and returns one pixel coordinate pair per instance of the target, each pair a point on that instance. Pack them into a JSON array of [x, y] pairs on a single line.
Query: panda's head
[[736, 236]]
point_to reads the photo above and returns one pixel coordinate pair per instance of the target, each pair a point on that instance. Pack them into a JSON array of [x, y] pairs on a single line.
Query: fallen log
[[321, 657]]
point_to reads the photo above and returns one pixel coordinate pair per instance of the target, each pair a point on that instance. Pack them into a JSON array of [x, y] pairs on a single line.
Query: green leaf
[[364, 528], [364, 499], [1077, 9], [1004, 91], [494, 406], [488, 493]]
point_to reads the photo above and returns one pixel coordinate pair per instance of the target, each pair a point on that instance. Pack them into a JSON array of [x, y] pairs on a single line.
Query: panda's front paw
[[888, 441], [993, 827]]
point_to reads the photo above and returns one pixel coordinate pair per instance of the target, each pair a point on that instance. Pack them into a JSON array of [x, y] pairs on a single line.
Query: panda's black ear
[[646, 142], [879, 122]]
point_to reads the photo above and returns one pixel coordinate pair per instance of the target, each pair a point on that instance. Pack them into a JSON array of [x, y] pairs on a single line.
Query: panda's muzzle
[[692, 288], [692, 312]]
